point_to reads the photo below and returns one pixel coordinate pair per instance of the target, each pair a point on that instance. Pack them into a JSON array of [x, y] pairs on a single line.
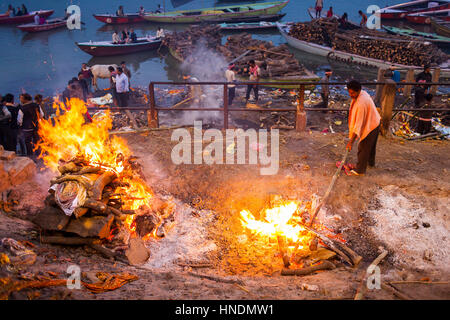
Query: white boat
[[328, 52]]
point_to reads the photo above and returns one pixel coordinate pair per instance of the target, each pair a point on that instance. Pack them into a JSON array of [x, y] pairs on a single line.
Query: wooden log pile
[[274, 61], [86, 202], [382, 46], [184, 43]]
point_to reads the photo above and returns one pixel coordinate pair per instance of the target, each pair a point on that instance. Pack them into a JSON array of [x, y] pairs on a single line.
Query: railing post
[[387, 104], [225, 106], [300, 119], [379, 88], [408, 88], [436, 75], [152, 115]]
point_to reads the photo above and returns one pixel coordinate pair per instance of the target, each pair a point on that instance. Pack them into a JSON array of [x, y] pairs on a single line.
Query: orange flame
[[68, 135], [281, 220]]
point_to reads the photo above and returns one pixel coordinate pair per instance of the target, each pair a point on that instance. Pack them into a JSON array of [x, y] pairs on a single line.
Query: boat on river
[[48, 25], [115, 19], [330, 53], [218, 14], [441, 27], [400, 11], [107, 48], [424, 36], [425, 17], [28, 18], [261, 25]]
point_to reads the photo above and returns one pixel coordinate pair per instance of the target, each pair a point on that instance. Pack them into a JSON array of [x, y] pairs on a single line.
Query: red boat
[[425, 17], [402, 10], [107, 48], [5, 19], [49, 25], [113, 19]]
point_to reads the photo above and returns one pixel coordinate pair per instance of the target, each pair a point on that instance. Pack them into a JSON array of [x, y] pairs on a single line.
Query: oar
[[330, 187], [241, 56]]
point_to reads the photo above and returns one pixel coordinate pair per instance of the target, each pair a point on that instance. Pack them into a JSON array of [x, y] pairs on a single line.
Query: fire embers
[[155, 220]]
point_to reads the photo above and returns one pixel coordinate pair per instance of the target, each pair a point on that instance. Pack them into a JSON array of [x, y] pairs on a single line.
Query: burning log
[[106, 178], [325, 265]]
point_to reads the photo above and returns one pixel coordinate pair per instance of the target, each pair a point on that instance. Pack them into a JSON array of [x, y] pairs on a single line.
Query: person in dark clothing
[[325, 88], [84, 85], [19, 12], [133, 36], [27, 120], [255, 73], [112, 83], [11, 11], [24, 10], [87, 75], [424, 123], [8, 102], [421, 90]]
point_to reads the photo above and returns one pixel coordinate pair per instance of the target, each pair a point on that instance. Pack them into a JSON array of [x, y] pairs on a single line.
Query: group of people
[[254, 73], [19, 123], [343, 20], [125, 36], [21, 11], [141, 11], [39, 19]]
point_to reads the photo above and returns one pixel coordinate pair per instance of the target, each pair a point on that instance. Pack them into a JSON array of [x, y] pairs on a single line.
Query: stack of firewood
[[183, 43], [274, 61], [404, 50]]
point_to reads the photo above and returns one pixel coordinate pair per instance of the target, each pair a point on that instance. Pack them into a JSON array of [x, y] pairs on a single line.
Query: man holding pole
[[364, 124]]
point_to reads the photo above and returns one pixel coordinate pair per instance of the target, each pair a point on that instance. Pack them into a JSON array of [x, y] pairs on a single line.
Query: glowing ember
[[68, 136], [281, 220]]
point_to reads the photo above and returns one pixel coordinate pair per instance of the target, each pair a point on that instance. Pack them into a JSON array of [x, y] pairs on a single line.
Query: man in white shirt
[[231, 77], [115, 38], [122, 88], [160, 33], [36, 18]]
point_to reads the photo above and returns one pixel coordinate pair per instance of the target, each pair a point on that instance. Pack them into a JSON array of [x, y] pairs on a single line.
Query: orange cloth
[[363, 116]]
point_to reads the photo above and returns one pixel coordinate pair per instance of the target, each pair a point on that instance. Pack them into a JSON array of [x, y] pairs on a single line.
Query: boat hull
[[440, 28], [113, 50], [402, 13], [43, 27], [344, 56], [25, 19], [231, 27], [113, 19], [214, 17]]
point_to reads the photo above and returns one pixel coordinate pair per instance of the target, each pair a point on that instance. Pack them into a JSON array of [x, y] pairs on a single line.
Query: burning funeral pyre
[[100, 192]]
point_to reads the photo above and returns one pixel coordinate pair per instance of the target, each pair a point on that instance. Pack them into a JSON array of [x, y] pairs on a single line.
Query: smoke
[[205, 64]]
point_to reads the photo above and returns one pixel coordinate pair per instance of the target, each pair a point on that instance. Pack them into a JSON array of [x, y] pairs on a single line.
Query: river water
[[44, 62]]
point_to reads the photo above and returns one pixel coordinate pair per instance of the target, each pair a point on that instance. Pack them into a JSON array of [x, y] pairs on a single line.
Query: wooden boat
[[328, 52], [218, 14], [441, 27], [400, 11], [425, 36], [425, 17], [49, 25], [107, 48], [248, 25], [25, 19], [114, 19]]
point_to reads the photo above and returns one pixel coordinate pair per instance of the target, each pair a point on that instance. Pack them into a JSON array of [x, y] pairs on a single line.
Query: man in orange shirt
[[364, 124]]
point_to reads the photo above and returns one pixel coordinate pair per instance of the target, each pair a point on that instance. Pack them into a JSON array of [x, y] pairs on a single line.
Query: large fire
[[68, 135]]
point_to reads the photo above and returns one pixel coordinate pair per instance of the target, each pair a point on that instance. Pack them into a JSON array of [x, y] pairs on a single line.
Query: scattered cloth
[[19, 255]]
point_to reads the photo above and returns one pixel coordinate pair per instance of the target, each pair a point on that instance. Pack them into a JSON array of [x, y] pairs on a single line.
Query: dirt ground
[[401, 205]]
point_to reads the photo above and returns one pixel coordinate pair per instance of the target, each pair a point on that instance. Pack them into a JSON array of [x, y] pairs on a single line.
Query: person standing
[[255, 73], [11, 143], [83, 85], [325, 87], [36, 18], [126, 71], [231, 77], [364, 124], [87, 75], [424, 123], [122, 88], [112, 84], [421, 90], [319, 6], [363, 18], [27, 120]]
